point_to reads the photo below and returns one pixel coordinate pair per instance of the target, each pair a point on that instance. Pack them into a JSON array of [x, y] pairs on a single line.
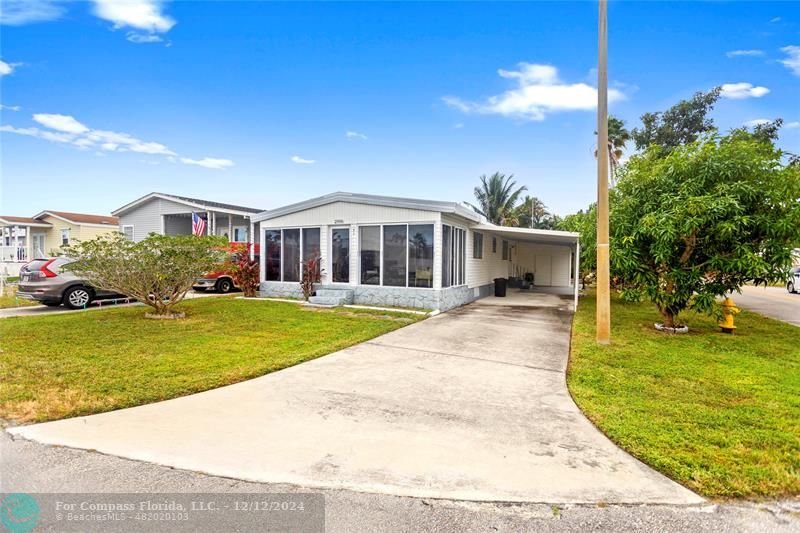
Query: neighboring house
[[25, 238], [167, 214], [402, 252]]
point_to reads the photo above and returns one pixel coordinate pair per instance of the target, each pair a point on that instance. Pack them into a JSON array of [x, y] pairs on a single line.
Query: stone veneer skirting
[[438, 299]]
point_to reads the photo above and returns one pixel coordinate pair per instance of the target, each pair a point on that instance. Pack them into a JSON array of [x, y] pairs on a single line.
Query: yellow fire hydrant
[[729, 310]]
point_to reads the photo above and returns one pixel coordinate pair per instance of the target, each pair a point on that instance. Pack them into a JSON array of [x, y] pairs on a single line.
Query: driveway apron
[[471, 404]]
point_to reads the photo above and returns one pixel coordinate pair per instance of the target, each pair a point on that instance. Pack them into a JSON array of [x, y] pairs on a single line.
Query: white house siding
[[345, 213]]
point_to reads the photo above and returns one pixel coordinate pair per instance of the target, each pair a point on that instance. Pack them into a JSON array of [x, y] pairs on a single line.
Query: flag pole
[[603, 334]]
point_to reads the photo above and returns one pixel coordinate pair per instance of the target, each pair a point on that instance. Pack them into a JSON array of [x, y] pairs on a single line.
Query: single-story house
[[25, 238], [380, 250], [167, 214]]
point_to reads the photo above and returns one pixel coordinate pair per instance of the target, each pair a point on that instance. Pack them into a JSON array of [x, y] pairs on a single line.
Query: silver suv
[[45, 281]]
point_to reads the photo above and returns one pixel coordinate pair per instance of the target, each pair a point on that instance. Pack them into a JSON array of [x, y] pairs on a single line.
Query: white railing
[[13, 254]]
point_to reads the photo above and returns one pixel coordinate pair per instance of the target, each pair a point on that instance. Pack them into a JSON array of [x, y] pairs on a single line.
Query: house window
[[494, 245], [340, 255], [286, 249], [453, 256], [273, 257], [370, 242], [505, 250], [127, 231], [240, 234], [420, 256], [397, 255], [65, 237], [394, 255], [477, 245]]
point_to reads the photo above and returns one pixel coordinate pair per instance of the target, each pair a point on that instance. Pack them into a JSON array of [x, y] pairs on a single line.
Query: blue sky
[[252, 102]]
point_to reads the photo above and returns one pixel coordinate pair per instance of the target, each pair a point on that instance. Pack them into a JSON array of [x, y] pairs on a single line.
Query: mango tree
[[697, 222]]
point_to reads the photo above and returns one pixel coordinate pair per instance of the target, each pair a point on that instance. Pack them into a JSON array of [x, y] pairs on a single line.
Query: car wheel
[[790, 287], [77, 297], [224, 285]]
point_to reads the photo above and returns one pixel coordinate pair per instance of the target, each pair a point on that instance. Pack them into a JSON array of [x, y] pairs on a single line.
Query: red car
[[221, 280]]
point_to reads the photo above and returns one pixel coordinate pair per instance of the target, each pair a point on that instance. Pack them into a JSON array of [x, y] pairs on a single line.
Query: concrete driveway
[[774, 302], [471, 404]]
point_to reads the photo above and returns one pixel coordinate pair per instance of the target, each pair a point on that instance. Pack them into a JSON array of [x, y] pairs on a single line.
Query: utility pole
[[603, 334]]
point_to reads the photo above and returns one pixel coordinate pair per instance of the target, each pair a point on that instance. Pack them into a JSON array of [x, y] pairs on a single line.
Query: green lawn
[[718, 413], [87, 362], [9, 298]]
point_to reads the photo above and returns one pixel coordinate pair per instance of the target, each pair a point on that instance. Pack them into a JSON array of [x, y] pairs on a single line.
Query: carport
[[553, 257]]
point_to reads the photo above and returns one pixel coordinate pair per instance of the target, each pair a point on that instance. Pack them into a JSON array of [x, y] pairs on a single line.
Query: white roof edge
[[528, 231], [369, 199], [177, 200]]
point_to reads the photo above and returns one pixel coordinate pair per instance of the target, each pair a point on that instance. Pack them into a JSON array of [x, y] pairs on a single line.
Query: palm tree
[[533, 213], [618, 135], [497, 199]]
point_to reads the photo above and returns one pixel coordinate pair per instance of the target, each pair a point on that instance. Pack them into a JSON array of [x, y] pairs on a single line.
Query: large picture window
[[273, 257], [453, 256], [286, 249], [397, 255], [420, 256], [370, 240], [340, 255], [394, 255]]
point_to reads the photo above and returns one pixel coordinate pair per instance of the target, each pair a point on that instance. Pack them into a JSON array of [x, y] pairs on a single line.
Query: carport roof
[[543, 236]]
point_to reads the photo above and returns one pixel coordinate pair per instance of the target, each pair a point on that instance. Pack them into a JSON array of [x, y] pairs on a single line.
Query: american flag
[[198, 224]]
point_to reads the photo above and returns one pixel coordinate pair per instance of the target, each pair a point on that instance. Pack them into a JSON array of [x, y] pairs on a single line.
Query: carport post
[[577, 271]]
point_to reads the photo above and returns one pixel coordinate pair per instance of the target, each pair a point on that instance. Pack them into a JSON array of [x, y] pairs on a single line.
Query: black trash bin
[[500, 287]]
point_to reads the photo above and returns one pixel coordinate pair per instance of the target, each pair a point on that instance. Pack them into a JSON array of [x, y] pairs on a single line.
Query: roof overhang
[[199, 206], [368, 199], [32, 224], [75, 222], [539, 236]]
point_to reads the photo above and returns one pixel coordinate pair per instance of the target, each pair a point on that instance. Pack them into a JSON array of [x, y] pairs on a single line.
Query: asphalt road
[[774, 302], [26, 466]]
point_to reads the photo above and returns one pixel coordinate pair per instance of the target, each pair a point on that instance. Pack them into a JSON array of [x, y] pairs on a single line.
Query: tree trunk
[[669, 318]]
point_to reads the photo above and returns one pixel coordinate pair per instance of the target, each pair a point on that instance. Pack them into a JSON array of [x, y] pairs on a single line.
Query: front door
[[340, 255], [37, 245]]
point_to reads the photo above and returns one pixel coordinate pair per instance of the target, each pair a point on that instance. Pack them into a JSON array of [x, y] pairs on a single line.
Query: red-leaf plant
[[312, 273]]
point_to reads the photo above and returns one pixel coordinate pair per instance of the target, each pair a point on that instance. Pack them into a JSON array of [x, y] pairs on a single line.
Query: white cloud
[[300, 161], [208, 162], [143, 15], [792, 125], [63, 123], [7, 68], [66, 129], [142, 38], [792, 61], [739, 91], [756, 122], [539, 92], [355, 135], [458, 125], [10, 107], [745, 53], [20, 12], [776, 19]]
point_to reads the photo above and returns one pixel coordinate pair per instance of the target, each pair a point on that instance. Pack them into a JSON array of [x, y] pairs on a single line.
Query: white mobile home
[[379, 250]]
